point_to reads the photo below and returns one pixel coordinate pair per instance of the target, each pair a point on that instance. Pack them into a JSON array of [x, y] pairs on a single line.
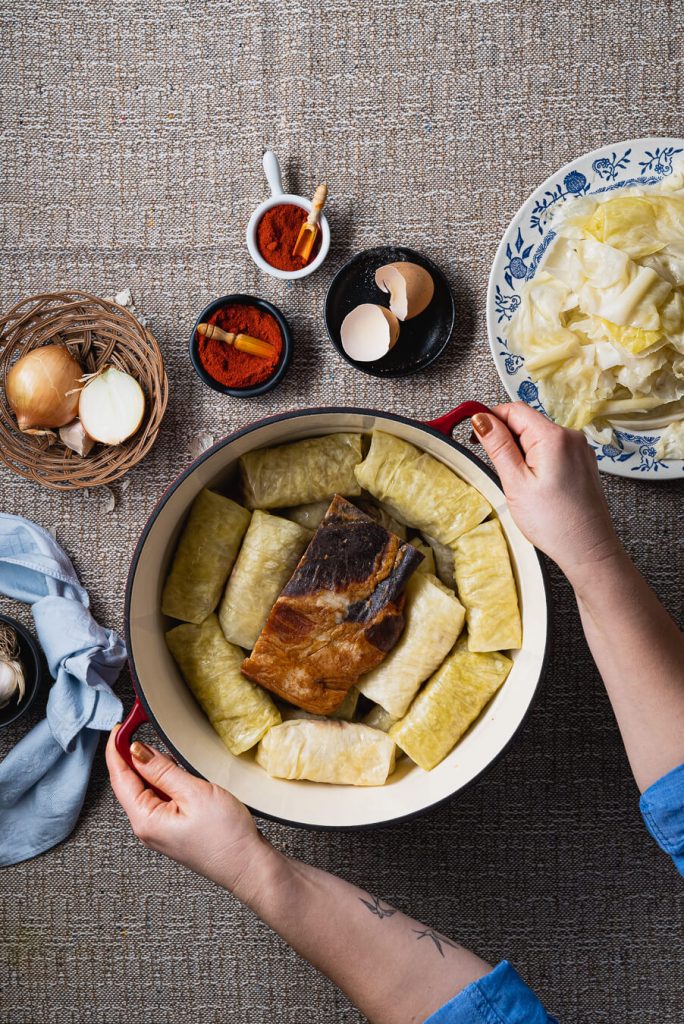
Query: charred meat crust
[[340, 613]]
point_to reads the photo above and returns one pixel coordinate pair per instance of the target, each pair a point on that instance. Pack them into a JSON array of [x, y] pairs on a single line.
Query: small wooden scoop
[[243, 342], [309, 229]]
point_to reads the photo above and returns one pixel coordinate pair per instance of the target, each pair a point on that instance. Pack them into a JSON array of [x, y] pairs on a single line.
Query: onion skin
[[37, 387]]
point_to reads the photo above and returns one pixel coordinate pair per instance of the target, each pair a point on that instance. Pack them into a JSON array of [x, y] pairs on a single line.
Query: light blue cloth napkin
[[43, 780]]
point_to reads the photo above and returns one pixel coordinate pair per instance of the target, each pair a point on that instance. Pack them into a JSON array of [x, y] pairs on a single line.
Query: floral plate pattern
[[635, 162]]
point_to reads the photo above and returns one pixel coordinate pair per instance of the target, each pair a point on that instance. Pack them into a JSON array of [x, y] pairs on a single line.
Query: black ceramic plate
[[421, 339], [32, 663]]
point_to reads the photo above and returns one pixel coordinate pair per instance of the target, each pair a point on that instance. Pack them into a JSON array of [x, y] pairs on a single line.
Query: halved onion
[[112, 406]]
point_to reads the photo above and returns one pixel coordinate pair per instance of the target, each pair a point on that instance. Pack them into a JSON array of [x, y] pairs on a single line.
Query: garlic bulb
[[11, 673]]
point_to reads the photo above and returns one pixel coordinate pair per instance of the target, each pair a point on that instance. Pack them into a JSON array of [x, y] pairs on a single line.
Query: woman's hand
[[201, 826], [551, 481]]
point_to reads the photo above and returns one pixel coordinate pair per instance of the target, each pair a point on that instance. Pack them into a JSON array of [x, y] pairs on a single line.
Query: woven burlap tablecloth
[[131, 147]]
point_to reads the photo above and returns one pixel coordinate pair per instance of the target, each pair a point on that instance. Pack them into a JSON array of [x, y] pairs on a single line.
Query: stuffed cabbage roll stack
[[240, 712], [486, 587], [382, 516], [428, 563], [448, 704], [301, 473], [310, 516], [419, 490], [340, 753], [269, 555], [204, 557], [344, 713], [434, 619], [444, 562], [378, 718]]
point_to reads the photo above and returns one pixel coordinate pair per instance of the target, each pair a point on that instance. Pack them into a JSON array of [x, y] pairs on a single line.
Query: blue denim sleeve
[[501, 997], [662, 807]]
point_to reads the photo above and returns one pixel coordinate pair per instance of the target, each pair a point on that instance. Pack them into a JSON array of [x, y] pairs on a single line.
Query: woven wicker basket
[[98, 332]]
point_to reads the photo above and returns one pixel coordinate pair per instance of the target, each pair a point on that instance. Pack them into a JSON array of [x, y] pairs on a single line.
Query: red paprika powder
[[225, 363], [277, 232]]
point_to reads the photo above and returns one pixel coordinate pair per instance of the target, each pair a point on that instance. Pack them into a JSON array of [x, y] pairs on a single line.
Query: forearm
[[639, 652], [393, 968]]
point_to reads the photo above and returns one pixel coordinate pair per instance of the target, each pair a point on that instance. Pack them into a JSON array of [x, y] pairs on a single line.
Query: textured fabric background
[[131, 146]]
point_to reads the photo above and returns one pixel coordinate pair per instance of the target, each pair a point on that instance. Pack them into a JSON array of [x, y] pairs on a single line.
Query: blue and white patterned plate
[[635, 162]]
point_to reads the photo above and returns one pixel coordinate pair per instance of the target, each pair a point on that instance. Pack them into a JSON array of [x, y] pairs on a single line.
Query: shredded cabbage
[[601, 325], [671, 443]]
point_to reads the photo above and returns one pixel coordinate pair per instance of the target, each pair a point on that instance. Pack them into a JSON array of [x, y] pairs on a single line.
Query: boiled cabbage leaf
[[448, 704], [434, 619], [342, 753], [239, 711]]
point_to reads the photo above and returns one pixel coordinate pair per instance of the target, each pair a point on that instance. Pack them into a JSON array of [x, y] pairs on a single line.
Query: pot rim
[[173, 486]]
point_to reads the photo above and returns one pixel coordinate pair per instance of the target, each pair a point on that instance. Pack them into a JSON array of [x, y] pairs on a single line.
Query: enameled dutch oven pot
[[165, 700]]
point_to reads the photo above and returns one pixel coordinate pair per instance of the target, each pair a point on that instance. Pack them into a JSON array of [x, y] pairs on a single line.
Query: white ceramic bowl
[[633, 162], [278, 196], [167, 702]]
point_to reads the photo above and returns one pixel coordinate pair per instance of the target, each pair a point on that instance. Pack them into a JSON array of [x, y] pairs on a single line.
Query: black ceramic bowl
[[32, 664], [421, 339], [285, 356]]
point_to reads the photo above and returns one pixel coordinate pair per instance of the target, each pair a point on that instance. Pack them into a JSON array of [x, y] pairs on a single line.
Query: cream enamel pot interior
[[165, 700]]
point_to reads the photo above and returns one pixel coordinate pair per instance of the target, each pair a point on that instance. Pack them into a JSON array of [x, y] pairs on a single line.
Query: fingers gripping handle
[[445, 424], [136, 717]]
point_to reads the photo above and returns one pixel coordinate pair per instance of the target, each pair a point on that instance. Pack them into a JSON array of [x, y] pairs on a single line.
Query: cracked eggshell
[[369, 332], [410, 288]]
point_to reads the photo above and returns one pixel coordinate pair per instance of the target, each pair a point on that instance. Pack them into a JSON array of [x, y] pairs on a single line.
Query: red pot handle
[[445, 424], [136, 717]]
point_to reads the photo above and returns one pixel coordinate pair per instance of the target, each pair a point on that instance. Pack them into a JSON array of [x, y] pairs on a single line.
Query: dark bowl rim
[[285, 358], [365, 367], [175, 484], [33, 685]]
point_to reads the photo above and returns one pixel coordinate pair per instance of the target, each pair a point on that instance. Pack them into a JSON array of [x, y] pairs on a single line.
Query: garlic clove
[[74, 436], [112, 406], [369, 332], [410, 288], [12, 683]]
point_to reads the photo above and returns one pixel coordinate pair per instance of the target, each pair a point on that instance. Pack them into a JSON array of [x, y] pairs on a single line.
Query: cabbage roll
[[444, 562], [448, 704], [382, 516], [486, 587], [345, 712], [428, 563], [310, 516], [419, 490], [268, 557], [204, 557], [303, 472], [341, 753], [378, 718], [434, 619], [240, 712]]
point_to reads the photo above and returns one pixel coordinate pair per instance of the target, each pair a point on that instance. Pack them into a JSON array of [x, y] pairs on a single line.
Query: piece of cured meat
[[339, 615]]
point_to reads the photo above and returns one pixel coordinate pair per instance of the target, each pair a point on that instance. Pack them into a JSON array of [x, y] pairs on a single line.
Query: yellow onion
[[111, 406], [38, 387]]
